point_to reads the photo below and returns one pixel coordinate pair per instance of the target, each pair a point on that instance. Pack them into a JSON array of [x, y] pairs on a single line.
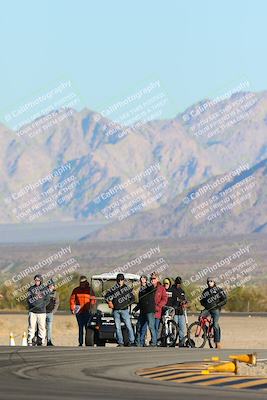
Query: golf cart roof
[[112, 277]]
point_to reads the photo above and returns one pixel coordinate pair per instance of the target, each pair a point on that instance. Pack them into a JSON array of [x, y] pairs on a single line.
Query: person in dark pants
[[178, 302], [213, 298], [51, 308], [146, 305], [82, 303]]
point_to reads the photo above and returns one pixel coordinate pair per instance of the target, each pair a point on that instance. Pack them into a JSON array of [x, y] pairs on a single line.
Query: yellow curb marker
[[230, 366], [245, 358]]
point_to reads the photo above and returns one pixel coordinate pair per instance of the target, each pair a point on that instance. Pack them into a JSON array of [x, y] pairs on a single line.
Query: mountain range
[[192, 150]]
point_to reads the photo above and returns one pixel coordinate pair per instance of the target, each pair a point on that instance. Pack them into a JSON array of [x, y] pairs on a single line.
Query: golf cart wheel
[[99, 342], [89, 337]]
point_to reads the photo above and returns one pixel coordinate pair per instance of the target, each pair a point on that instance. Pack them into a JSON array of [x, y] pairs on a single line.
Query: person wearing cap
[[179, 302], [82, 303], [168, 288], [51, 308], [213, 298], [119, 298], [38, 298], [161, 299], [146, 305]]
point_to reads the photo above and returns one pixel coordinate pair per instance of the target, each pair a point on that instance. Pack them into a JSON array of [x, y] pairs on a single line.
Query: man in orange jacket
[[82, 302]]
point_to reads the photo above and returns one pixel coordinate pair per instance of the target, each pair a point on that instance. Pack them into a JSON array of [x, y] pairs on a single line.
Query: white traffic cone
[[11, 340], [24, 340]]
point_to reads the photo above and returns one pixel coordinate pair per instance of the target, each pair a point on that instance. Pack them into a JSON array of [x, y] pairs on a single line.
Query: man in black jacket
[[213, 298], [119, 297], [146, 305], [179, 301], [38, 298]]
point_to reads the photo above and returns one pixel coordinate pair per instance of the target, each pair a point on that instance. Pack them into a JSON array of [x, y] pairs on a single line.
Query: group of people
[[153, 296], [43, 302]]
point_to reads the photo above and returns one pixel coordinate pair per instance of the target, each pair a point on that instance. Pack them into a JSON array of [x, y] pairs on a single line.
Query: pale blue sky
[[107, 48]]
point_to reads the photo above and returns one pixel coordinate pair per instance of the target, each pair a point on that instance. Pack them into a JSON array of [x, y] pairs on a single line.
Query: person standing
[[38, 298], [51, 308], [161, 299], [179, 301], [82, 303], [119, 297], [146, 305], [168, 288], [213, 298]]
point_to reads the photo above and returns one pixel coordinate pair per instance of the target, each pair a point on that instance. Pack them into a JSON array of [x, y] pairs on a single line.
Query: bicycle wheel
[[211, 337], [197, 335], [169, 334]]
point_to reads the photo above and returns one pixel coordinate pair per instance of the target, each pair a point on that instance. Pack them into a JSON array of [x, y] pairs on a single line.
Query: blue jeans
[[125, 316], [215, 314], [157, 324], [82, 319], [49, 325], [180, 320], [145, 320]]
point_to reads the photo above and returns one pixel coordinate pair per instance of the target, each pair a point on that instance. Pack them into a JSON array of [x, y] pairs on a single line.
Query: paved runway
[[103, 373]]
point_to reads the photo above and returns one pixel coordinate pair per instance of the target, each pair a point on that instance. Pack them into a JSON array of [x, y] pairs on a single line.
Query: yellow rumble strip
[[202, 374]]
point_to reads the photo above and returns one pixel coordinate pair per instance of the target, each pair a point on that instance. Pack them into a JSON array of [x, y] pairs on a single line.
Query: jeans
[[215, 314], [157, 324], [36, 320], [82, 319], [145, 320], [180, 320], [125, 316], [49, 324]]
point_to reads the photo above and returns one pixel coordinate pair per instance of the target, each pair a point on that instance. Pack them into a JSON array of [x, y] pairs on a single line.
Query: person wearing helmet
[[213, 298], [51, 308], [179, 302], [168, 288]]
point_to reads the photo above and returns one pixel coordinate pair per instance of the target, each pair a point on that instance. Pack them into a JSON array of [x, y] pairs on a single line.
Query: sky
[[110, 48]]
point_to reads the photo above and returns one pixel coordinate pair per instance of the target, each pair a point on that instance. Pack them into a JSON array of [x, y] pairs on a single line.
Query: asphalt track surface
[[46, 373]]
